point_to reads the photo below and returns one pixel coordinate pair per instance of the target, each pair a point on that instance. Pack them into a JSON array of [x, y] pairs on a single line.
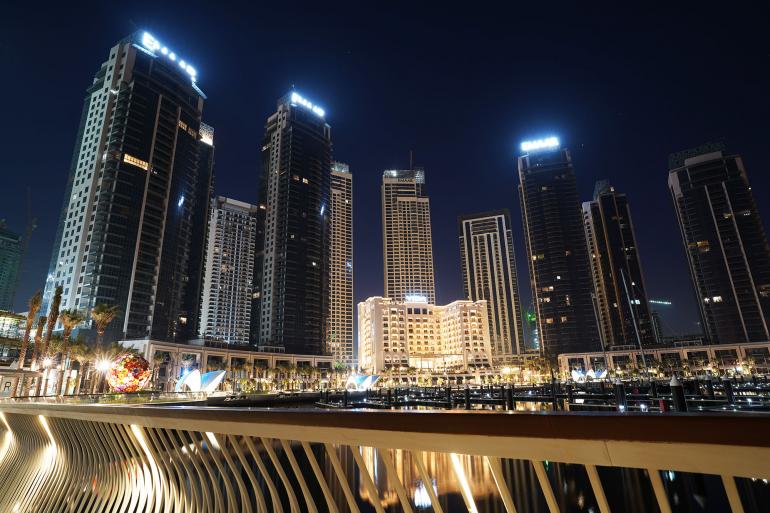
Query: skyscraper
[[620, 294], [725, 242], [142, 162], [489, 273], [10, 261], [229, 271], [339, 335], [293, 255], [406, 237], [556, 249]]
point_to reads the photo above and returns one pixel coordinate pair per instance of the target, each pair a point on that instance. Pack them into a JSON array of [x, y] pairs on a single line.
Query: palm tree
[[53, 315], [102, 315], [85, 357], [34, 306], [158, 359], [69, 320], [54, 346], [36, 354]]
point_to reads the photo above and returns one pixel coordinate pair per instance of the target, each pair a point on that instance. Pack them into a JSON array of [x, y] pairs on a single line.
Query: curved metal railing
[[64, 457]]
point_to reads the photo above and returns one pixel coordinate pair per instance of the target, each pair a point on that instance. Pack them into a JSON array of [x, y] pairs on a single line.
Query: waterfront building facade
[[229, 270], [489, 272], [396, 335], [406, 237], [126, 234], [292, 259], [339, 333], [556, 251], [620, 297], [725, 243]]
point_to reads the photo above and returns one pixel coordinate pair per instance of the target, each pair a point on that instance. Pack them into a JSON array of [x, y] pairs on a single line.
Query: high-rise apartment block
[[339, 334], [406, 237], [489, 273], [394, 335], [128, 234], [725, 243], [556, 249], [292, 273], [10, 261], [619, 292], [229, 271]]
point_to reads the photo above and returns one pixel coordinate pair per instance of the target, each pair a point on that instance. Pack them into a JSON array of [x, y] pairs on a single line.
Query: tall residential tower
[[619, 292], [339, 334], [406, 237], [489, 273], [293, 254], [556, 249], [725, 243], [10, 261], [229, 271], [127, 230]]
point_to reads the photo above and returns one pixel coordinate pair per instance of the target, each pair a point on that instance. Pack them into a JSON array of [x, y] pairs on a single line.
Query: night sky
[[460, 87]]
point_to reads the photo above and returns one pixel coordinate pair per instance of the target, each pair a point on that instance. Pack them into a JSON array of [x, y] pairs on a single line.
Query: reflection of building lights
[[47, 362]]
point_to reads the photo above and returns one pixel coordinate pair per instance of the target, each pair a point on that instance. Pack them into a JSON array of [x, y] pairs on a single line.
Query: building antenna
[[411, 160]]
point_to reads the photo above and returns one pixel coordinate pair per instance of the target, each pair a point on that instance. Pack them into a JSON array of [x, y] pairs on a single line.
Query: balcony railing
[[65, 457]]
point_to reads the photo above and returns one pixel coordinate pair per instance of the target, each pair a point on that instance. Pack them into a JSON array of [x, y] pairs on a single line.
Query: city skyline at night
[[610, 137]]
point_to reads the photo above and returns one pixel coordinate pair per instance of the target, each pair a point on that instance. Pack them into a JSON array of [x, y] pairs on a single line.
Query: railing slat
[[427, 482], [390, 467], [366, 477], [660, 490], [502, 486], [732, 494], [596, 485], [320, 478], [331, 453], [545, 485]]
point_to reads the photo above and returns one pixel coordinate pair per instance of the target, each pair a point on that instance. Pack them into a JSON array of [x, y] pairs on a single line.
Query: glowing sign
[[540, 144], [659, 302], [153, 45], [299, 100], [415, 299]]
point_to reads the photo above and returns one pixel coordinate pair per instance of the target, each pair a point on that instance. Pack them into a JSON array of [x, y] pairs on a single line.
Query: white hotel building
[[422, 335]]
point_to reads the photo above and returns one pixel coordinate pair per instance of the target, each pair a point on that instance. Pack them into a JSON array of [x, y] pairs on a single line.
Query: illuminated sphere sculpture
[[128, 373]]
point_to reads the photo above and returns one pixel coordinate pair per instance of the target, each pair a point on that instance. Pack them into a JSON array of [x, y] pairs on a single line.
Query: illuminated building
[[339, 336], [292, 261], [556, 249], [12, 325], [406, 236], [421, 335], [229, 270], [489, 272], [725, 243], [133, 223], [10, 261], [620, 295]]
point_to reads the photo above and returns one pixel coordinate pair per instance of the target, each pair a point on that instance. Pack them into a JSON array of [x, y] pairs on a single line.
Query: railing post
[[467, 397], [620, 395], [728, 387], [677, 395], [511, 401]]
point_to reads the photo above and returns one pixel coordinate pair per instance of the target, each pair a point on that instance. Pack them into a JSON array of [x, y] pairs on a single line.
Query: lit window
[[717, 299], [129, 159]]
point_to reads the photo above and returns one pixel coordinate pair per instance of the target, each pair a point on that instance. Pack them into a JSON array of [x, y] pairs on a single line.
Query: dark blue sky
[[459, 86]]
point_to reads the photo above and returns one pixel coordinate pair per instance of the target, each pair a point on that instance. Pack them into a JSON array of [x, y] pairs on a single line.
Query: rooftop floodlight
[[540, 144]]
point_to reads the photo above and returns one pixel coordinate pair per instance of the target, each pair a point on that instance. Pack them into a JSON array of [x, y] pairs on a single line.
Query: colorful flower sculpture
[[128, 373]]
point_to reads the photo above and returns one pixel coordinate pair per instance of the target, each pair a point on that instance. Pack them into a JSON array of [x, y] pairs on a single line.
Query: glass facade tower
[[128, 234]]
